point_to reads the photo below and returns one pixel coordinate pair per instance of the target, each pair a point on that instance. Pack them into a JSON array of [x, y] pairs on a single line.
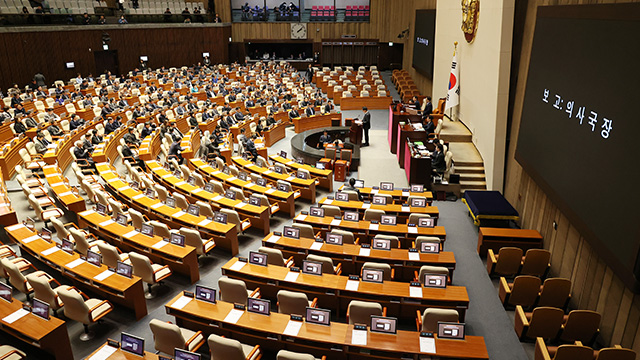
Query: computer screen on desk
[[67, 246], [208, 187], [334, 239], [311, 267], [230, 194], [261, 182], [124, 269], [320, 166], [258, 258], [205, 294], [451, 330], [435, 280], [417, 188], [260, 306], [379, 200], [147, 229], [94, 258], [132, 344], [177, 239], [122, 219], [417, 202], [316, 211], [430, 247], [220, 217], [101, 209], [373, 275], [428, 222], [342, 196], [384, 324], [40, 308], [193, 209], [185, 355], [291, 232], [302, 175], [388, 219], [351, 216], [5, 292], [381, 244], [388, 186], [318, 316], [283, 154], [255, 201], [150, 193], [170, 202]]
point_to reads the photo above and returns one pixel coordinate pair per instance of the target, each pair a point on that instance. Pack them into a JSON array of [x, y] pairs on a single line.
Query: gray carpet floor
[[486, 317]]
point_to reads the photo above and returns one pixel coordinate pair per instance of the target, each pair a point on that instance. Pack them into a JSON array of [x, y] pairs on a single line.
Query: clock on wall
[[298, 31]]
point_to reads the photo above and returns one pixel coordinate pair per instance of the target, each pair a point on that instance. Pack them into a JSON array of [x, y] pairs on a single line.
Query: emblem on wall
[[470, 13]]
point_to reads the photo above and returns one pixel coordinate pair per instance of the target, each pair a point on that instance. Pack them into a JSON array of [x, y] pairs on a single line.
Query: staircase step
[[469, 169], [471, 176], [467, 163], [473, 185], [455, 137]]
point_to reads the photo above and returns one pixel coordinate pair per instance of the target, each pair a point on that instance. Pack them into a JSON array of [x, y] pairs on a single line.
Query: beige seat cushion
[[162, 273], [246, 349], [99, 310], [187, 334]]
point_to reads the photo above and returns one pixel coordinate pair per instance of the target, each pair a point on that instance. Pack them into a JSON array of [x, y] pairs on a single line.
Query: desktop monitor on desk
[[205, 294], [261, 182], [302, 175], [6, 292], [180, 354], [383, 324], [94, 258], [316, 211], [122, 219], [318, 316], [417, 202], [381, 244], [448, 330], [67, 246], [430, 247], [258, 258], [379, 200], [171, 202], [230, 194], [435, 280], [388, 220], [283, 154], [342, 196], [255, 201], [334, 239], [150, 193], [124, 269], [388, 186], [426, 222], [351, 216], [320, 166], [242, 175], [311, 267], [147, 230], [373, 275], [417, 188], [40, 308], [220, 217], [101, 209], [259, 306], [291, 232], [193, 209], [132, 344], [208, 187], [177, 239]]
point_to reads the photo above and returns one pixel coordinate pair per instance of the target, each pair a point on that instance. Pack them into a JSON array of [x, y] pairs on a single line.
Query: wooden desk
[[258, 215], [191, 144], [285, 200], [60, 153], [49, 335], [275, 134], [495, 238], [246, 125], [118, 354], [225, 235], [7, 212], [306, 188], [402, 212], [150, 146], [353, 256], [407, 132], [325, 177], [10, 156], [333, 340], [317, 121], [417, 166], [332, 294], [108, 149], [394, 118], [115, 288], [371, 102], [66, 195], [398, 194], [365, 230]]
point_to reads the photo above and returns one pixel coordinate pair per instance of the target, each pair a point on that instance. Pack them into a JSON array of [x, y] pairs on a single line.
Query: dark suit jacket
[[366, 121], [310, 111], [428, 109]]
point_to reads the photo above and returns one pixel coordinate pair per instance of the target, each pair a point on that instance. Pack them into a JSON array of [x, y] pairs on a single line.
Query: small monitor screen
[[384, 324], [379, 200], [40, 308], [242, 175], [5, 292], [121, 219], [351, 215], [144, 58], [334, 239], [261, 182], [381, 244], [132, 344], [67, 246], [230, 194], [177, 239], [147, 229], [386, 186], [150, 193], [430, 247], [94, 258], [388, 219], [101, 209], [318, 316], [300, 161], [279, 169], [435, 280], [372, 275], [191, 181], [426, 222], [257, 258], [171, 202], [193, 209], [418, 202], [206, 294], [302, 175], [283, 187], [359, 184], [417, 188], [255, 201], [220, 218], [123, 269], [342, 196], [205, 54], [70, 65], [208, 187], [311, 267], [283, 154], [185, 355], [291, 232], [316, 211], [451, 330], [260, 306], [319, 165], [226, 170]]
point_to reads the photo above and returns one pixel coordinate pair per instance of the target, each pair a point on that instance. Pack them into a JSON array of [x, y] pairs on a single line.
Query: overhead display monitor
[[424, 42]]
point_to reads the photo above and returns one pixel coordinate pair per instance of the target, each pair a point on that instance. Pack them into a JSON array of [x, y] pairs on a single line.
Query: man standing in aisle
[[366, 125]]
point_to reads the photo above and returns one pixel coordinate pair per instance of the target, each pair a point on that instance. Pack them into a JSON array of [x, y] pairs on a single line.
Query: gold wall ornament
[[470, 13]]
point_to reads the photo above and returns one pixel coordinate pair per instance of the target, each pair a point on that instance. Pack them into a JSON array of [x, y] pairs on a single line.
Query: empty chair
[[205, 209], [427, 239], [394, 241], [193, 238], [264, 201], [581, 325], [296, 303], [327, 264], [137, 219], [306, 230], [331, 210], [555, 293], [44, 215], [373, 214], [21, 263], [544, 322], [347, 236], [228, 349], [17, 278], [185, 171], [290, 355], [42, 291], [506, 263], [217, 187], [234, 218], [150, 273], [8, 352], [168, 336], [161, 191], [427, 269], [360, 312], [235, 291], [428, 320], [536, 262], [523, 291], [111, 255], [161, 229], [81, 242], [562, 352], [181, 201], [239, 194], [387, 272], [616, 353], [78, 307], [274, 257]]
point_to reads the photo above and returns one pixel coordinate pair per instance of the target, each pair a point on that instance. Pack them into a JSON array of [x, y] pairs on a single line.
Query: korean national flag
[[453, 94]]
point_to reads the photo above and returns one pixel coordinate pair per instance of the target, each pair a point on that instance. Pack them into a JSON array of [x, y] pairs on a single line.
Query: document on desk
[[14, 227], [159, 244], [126, 187], [373, 226], [316, 245], [273, 239], [364, 251], [406, 193], [67, 193], [413, 230], [30, 239], [157, 205], [249, 185], [415, 291], [196, 191], [359, 337], [290, 178], [180, 183], [74, 263], [406, 209], [113, 179], [374, 191], [352, 285], [106, 223], [218, 198], [292, 276], [179, 213], [270, 191], [103, 275], [11, 318], [233, 316], [167, 176], [136, 197], [50, 251], [301, 217], [204, 222], [240, 205], [328, 201], [336, 222], [130, 234], [182, 302], [103, 353], [267, 172], [293, 328], [427, 345], [237, 266], [366, 206], [56, 184]]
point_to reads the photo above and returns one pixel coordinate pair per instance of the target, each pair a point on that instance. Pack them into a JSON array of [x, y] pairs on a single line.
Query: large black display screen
[[579, 137], [424, 41]]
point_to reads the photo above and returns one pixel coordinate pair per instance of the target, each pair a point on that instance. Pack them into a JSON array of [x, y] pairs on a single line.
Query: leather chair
[[17, 278], [536, 262], [235, 291], [274, 257], [395, 242], [111, 255], [291, 302], [347, 236], [428, 320], [581, 325], [544, 322], [556, 292], [360, 312], [562, 352], [327, 264], [616, 353], [43, 291], [373, 214], [168, 336], [306, 231], [79, 307], [290, 355], [193, 238], [427, 239], [331, 210], [427, 269], [228, 349], [506, 263], [150, 273], [522, 292], [233, 218], [387, 272], [205, 209], [8, 352]]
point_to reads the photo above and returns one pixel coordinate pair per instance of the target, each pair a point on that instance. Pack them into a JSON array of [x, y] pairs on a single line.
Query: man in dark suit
[[428, 107], [325, 138], [309, 111], [293, 113], [438, 164], [366, 125], [110, 126], [146, 130], [82, 154], [175, 150]]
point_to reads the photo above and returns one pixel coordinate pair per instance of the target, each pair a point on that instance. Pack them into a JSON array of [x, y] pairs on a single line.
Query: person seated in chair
[[351, 187], [146, 130], [110, 126], [75, 122], [310, 111], [128, 152], [54, 130], [293, 113], [438, 165], [250, 147], [176, 151], [429, 126], [131, 138], [95, 138], [41, 143], [82, 155]]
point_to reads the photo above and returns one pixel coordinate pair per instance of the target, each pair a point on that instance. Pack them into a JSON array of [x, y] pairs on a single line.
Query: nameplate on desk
[[103, 275], [182, 302], [405, 209], [273, 239], [316, 246], [181, 183], [427, 345], [233, 316], [405, 193], [195, 191], [139, 196], [179, 213], [204, 222], [364, 251], [218, 198], [374, 191], [103, 353], [293, 328], [292, 276], [414, 256], [327, 201], [106, 223], [74, 263], [231, 178], [216, 172], [240, 205], [88, 212], [415, 291], [290, 162], [352, 285], [50, 251], [237, 266], [374, 226], [159, 244], [301, 217], [270, 191], [335, 222], [66, 193], [10, 319], [130, 234], [127, 187], [30, 239], [412, 230], [15, 227], [359, 337]]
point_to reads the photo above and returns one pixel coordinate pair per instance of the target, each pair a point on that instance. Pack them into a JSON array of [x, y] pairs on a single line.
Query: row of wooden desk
[[325, 177], [401, 211], [399, 195], [305, 123], [63, 191]]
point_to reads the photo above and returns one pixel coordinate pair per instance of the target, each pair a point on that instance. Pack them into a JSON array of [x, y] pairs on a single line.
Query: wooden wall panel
[[594, 285]]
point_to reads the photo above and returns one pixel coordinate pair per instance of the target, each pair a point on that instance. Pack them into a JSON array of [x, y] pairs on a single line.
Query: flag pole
[[455, 48]]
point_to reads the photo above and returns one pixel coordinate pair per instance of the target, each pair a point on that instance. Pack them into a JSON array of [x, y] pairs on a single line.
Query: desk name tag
[[426, 334], [113, 343], [375, 187], [330, 198], [360, 327], [239, 306], [305, 212], [366, 202], [337, 217], [375, 222], [415, 283], [296, 317], [242, 259], [365, 246], [413, 250], [276, 233], [354, 277], [188, 294], [411, 225], [319, 240], [294, 269]]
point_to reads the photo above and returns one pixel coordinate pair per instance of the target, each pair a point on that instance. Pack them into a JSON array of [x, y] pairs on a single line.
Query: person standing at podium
[[366, 125], [325, 138]]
